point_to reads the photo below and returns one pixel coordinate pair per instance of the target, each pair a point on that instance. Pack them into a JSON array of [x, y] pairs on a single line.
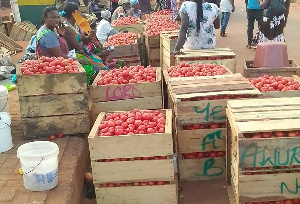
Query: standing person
[[104, 28], [145, 6], [135, 11], [114, 5], [226, 7], [162, 4], [119, 12], [271, 28], [198, 23], [254, 12]]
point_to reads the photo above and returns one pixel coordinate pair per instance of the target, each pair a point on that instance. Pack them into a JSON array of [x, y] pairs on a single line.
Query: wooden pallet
[[186, 91], [125, 97], [53, 103], [9, 44], [264, 183], [219, 56], [250, 72], [22, 31], [168, 41]]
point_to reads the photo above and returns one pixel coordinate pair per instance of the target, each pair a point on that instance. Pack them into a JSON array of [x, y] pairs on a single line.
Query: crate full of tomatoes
[[168, 41], [201, 149], [126, 89], [277, 86], [126, 45], [218, 56], [263, 139], [52, 93], [203, 99], [132, 157]]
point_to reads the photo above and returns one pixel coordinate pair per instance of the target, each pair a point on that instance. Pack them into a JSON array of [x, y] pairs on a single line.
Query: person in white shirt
[[226, 7], [104, 28]]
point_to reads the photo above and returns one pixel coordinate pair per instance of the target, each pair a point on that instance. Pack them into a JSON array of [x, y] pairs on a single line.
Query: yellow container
[[35, 2]]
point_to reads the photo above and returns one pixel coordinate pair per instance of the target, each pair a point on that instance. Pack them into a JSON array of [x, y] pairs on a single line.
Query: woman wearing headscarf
[[134, 11], [119, 12], [104, 28]]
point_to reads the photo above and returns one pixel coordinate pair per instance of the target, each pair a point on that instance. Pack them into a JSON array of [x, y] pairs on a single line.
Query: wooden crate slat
[[199, 140], [51, 83], [52, 125], [138, 194], [129, 171], [134, 28], [46, 105], [126, 91], [206, 79], [201, 169], [129, 146], [125, 50]]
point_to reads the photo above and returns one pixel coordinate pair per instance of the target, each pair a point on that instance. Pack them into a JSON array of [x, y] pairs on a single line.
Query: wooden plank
[[130, 171], [268, 152], [128, 146], [134, 28], [126, 91], [125, 50], [152, 41], [268, 187], [292, 69], [202, 169], [29, 85], [10, 41], [127, 105], [138, 194], [46, 105], [153, 53], [207, 79], [201, 140], [42, 127]]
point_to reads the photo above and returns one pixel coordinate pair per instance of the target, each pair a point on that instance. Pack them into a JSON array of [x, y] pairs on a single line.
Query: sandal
[[223, 34], [248, 46]]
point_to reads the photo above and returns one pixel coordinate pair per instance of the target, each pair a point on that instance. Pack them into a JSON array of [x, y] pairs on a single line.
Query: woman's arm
[[72, 41], [182, 32]]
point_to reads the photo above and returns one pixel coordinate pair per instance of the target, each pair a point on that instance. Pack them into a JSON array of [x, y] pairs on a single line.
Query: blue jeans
[[224, 21]]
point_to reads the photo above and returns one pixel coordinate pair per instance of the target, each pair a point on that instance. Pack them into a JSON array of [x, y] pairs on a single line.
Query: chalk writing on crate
[[121, 92], [210, 169], [283, 186], [211, 113]]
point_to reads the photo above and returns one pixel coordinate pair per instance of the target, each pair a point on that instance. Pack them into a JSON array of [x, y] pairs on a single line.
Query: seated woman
[[49, 43], [104, 28], [134, 11]]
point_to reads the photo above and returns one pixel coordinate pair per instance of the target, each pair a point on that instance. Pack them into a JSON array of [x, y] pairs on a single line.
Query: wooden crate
[[22, 31], [134, 28], [127, 51], [152, 41], [185, 92], [138, 194], [201, 169], [292, 69], [264, 183], [219, 56], [146, 95], [131, 61], [168, 41], [53, 103]]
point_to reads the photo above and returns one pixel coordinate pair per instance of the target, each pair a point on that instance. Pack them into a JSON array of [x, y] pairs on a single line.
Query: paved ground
[[73, 151]]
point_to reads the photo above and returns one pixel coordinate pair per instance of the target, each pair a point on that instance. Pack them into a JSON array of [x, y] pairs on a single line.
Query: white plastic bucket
[[5, 136], [3, 99], [39, 163]]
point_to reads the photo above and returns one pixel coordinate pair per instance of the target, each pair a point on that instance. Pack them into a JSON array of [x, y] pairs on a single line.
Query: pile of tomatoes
[[162, 12], [121, 39], [49, 65], [149, 183], [133, 122], [272, 83], [156, 24], [132, 74], [292, 133], [133, 159], [125, 21], [201, 155], [189, 70]]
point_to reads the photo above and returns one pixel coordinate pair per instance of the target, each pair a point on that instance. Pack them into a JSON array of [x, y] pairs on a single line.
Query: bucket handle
[[34, 167], [4, 105]]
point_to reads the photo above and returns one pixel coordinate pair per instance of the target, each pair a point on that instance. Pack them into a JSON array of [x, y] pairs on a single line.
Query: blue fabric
[[224, 21], [48, 40], [253, 4]]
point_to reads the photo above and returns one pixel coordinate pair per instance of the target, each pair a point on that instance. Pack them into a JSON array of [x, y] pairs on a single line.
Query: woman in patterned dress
[[198, 22], [271, 29]]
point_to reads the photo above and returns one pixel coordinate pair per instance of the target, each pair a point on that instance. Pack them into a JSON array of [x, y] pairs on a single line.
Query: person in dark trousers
[[254, 12]]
